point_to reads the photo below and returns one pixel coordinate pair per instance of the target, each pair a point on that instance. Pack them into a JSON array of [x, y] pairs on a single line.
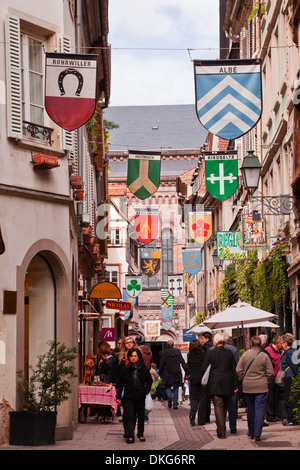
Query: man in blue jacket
[[289, 363]]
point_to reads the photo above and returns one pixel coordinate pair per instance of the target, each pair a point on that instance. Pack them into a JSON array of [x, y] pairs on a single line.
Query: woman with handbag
[[222, 381], [136, 380], [255, 370]]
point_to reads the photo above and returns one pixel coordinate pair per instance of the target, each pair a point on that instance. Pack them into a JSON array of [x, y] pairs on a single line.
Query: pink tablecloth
[[97, 395]]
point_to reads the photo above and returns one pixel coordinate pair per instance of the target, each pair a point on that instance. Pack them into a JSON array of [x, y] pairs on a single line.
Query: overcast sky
[[151, 64]]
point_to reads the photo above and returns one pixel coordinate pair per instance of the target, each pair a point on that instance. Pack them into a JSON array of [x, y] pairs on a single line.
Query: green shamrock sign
[[133, 285]]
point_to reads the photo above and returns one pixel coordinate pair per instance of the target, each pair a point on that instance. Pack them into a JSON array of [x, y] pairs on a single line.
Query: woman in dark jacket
[[136, 380], [195, 360], [222, 380]]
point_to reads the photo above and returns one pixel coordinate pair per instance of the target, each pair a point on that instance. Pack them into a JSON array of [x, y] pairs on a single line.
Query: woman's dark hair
[[138, 351], [195, 347]]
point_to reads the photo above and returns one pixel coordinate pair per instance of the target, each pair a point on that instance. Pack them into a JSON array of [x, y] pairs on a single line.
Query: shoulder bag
[[280, 376], [205, 376]]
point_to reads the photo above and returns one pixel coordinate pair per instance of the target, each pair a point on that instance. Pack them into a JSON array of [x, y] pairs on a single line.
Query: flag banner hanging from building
[[125, 315], [175, 284], [228, 95], [150, 261], [133, 285], [192, 260], [200, 226], [70, 88], [146, 225], [143, 173], [221, 173], [167, 301]]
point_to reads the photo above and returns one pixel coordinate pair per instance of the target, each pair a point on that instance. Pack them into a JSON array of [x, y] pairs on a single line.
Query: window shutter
[[14, 79], [67, 137]]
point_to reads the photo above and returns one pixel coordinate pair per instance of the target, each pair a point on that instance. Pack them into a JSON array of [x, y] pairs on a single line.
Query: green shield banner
[[143, 173], [221, 173]]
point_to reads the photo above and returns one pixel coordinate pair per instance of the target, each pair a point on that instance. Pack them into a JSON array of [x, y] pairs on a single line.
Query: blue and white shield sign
[[192, 260], [228, 95]]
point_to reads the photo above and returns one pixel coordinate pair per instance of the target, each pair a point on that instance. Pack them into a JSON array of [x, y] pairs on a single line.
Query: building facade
[[44, 206]]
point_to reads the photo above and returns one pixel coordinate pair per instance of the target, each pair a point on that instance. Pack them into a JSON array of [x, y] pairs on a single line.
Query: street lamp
[[176, 321], [218, 263], [272, 205], [190, 299], [251, 170]]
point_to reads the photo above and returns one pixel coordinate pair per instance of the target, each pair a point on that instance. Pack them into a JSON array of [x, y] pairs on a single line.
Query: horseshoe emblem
[[68, 72]]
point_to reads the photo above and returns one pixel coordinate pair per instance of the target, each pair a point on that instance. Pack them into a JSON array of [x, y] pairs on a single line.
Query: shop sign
[[105, 290], [152, 327], [228, 246], [118, 305], [107, 334]]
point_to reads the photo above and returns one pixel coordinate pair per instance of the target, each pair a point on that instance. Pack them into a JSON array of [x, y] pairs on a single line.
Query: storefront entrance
[[39, 319], [157, 349]]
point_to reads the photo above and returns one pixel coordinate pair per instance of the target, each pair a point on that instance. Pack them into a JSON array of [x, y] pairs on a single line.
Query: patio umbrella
[[199, 329], [238, 314], [262, 324]]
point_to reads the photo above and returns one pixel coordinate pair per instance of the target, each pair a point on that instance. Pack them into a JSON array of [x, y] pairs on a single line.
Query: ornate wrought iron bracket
[[277, 205]]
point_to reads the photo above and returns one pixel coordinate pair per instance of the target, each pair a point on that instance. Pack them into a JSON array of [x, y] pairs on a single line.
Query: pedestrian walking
[[255, 370], [135, 380], [195, 360], [170, 372], [274, 350], [222, 380], [206, 340], [232, 405], [291, 368], [146, 351]]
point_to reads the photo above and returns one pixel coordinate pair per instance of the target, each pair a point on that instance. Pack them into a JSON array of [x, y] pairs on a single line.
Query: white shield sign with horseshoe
[[70, 95]]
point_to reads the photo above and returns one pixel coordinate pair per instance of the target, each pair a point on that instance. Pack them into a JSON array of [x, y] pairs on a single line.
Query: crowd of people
[[251, 377]]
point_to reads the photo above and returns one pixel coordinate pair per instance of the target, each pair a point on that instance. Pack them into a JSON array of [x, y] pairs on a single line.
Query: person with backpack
[[170, 372]]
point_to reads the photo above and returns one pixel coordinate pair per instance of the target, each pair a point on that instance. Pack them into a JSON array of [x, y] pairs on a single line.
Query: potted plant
[[47, 387]]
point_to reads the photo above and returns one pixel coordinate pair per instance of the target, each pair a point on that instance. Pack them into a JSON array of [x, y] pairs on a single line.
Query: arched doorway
[[40, 315]]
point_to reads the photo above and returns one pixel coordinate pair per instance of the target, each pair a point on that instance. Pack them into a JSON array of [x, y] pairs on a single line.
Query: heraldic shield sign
[[143, 173], [221, 173], [70, 95], [146, 225], [150, 261], [192, 260], [228, 95], [133, 285], [200, 226], [175, 284]]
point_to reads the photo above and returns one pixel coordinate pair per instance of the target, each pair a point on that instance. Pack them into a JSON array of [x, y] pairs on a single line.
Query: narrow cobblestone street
[[169, 431]]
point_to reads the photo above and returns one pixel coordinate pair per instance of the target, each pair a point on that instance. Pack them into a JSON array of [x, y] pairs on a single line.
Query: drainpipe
[[78, 40]]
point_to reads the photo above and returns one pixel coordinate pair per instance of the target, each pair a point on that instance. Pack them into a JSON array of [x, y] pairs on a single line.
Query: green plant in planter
[[295, 397], [48, 385]]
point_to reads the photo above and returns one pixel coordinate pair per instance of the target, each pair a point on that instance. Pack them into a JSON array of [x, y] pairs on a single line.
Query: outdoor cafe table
[[96, 396]]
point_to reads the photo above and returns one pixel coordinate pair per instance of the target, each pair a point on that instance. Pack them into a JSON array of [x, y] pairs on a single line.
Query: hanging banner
[[127, 298], [143, 173], [70, 88], [175, 284], [146, 225], [254, 229], [229, 246], [152, 327], [192, 260], [133, 285], [167, 301], [228, 95], [150, 261], [200, 226], [221, 173]]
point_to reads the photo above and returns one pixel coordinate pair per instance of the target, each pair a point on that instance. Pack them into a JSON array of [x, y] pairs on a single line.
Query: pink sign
[[107, 334]]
